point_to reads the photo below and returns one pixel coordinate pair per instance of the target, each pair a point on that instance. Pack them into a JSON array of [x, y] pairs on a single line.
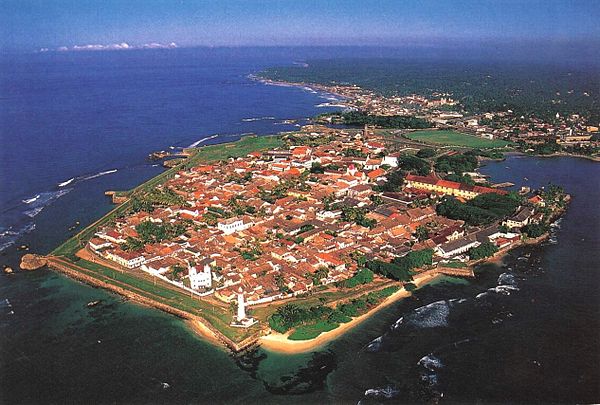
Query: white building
[[201, 275], [455, 247], [130, 260], [390, 160], [232, 225]]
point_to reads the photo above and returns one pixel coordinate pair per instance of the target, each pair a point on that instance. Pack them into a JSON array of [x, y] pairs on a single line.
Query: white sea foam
[[65, 183], [433, 315], [10, 236], [93, 176], [503, 289], [375, 344], [43, 199], [507, 279], [387, 392], [202, 140], [481, 295], [33, 212], [32, 199], [257, 119], [6, 245], [430, 362], [330, 105]]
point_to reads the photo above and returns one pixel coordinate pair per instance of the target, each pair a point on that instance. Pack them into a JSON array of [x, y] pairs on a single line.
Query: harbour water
[[522, 331]]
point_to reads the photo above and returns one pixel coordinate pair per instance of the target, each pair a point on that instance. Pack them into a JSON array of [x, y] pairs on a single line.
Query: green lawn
[[306, 332], [236, 149], [453, 138]]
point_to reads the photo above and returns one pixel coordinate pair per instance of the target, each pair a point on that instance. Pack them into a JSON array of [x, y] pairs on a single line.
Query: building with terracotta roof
[[446, 187]]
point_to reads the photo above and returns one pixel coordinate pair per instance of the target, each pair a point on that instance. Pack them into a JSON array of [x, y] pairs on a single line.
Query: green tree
[[421, 233], [486, 249], [426, 153]]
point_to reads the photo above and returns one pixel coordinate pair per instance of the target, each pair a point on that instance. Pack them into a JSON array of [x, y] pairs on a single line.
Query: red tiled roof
[[453, 185]]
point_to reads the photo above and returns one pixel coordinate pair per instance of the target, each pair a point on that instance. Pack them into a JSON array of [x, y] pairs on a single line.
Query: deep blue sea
[[526, 330]]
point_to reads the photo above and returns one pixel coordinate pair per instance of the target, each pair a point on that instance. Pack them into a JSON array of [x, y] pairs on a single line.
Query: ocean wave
[[33, 212], [431, 365], [43, 199], [375, 344], [507, 279], [32, 199], [6, 245], [499, 290], [11, 235], [383, 393], [433, 315], [330, 105], [65, 183], [93, 176], [202, 140], [430, 362], [23, 224], [258, 119]]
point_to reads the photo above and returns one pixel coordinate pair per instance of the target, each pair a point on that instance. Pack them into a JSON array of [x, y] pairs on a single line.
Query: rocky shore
[[33, 262]]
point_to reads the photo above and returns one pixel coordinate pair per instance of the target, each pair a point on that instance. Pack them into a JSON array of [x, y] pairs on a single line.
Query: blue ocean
[[73, 125]]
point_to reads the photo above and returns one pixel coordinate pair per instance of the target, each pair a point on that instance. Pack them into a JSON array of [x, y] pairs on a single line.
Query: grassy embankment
[[453, 138], [160, 291]]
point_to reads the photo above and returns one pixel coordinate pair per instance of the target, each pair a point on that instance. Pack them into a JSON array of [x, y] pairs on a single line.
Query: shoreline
[[279, 343], [274, 341], [326, 89]]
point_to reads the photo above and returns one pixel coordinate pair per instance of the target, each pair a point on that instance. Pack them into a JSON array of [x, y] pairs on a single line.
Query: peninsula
[[290, 240]]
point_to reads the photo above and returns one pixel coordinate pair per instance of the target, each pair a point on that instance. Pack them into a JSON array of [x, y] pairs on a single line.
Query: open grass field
[[453, 138], [306, 332], [236, 149]]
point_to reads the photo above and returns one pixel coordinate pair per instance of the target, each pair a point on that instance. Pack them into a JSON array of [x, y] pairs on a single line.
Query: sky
[[33, 24]]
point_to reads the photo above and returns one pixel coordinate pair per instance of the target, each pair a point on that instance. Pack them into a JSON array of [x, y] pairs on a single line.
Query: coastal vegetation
[[527, 90], [457, 164], [310, 322], [486, 249], [362, 276], [535, 230], [483, 209], [400, 268], [359, 119]]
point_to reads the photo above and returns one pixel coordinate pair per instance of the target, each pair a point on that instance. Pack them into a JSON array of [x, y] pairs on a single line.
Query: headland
[[289, 241]]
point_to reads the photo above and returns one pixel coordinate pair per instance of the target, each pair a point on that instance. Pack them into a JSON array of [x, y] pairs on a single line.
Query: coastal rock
[[8, 269], [32, 262]]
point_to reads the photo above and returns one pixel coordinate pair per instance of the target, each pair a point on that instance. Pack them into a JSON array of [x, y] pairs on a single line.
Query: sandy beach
[[203, 331], [278, 342]]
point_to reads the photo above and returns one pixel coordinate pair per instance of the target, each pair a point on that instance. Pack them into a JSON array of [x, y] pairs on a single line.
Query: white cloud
[[120, 46]]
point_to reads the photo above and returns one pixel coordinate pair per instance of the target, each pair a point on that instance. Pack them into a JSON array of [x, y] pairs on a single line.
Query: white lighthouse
[[241, 320], [241, 310]]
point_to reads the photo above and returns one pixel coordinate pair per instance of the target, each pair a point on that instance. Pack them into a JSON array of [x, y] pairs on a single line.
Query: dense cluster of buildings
[[279, 223], [445, 112]]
